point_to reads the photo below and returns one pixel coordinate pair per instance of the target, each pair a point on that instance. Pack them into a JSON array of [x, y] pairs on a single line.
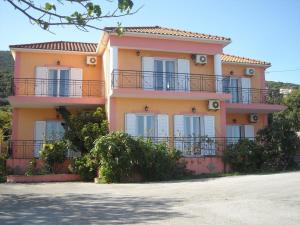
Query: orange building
[[168, 85]]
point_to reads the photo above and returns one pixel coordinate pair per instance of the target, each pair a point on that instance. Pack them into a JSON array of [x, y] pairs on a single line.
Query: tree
[[82, 129], [85, 13], [292, 112]]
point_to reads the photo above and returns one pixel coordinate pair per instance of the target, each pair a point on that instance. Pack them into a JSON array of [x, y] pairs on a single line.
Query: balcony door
[[240, 89], [164, 74], [236, 132], [58, 82]]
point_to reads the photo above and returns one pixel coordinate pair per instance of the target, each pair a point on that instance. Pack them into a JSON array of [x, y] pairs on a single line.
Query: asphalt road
[[254, 199]]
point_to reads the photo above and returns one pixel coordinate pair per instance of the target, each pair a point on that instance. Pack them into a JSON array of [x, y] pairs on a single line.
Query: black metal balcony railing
[[57, 87], [27, 149], [253, 95], [165, 81], [189, 146], [197, 146]]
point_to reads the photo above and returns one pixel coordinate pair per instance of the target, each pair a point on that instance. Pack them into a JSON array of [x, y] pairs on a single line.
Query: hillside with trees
[[6, 73]]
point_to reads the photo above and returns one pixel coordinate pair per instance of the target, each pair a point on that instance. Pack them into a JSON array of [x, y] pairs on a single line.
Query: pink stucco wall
[[200, 165]]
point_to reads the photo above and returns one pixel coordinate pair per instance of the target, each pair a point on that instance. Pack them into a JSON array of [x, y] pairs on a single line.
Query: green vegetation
[[6, 73], [273, 150], [124, 158], [53, 153], [82, 129], [5, 122], [278, 85], [292, 112], [2, 167]]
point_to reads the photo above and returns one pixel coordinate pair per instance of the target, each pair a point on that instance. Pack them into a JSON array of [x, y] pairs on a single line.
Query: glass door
[[58, 82], [159, 74], [170, 75], [234, 89], [52, 82], [145, 125], [164, 75], [64, 83]]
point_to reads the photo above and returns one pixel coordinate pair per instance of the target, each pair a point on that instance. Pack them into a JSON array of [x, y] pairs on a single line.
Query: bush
[[82, 129], [2, 167], [54, 153], [280, 144], [244, 156], [86, 166], [274, 150], [122, 157], [31, 169]]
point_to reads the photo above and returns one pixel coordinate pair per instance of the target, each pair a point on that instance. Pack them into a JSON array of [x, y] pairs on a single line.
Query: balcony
[[189, 146], [253, 100], [27, 149], [197, 146], [54, 92], [144, 84]]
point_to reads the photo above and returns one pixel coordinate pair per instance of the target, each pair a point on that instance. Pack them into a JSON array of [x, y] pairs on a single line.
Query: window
[[240, 89], [236, 132], [54, 130], [145, 125], [58, 82], [46, 130], [193, 126], [164, 77]]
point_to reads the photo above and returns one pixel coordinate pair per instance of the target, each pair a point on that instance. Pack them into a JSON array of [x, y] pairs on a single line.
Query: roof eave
[[14, 49], [172, 37], [248, 64]]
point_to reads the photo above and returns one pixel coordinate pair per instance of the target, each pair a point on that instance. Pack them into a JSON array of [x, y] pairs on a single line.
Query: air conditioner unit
[[253, 118], [213, 104], [201, 59], [91, 60], [250, 71]]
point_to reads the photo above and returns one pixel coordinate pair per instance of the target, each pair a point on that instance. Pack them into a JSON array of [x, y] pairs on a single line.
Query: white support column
[[218, 72], [114, 64]]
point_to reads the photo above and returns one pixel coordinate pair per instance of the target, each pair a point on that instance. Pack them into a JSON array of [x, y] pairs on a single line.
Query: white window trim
[[59, 69]]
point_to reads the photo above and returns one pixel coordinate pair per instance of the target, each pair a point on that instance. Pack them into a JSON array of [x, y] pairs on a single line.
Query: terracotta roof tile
[[60, 46], [242, 60], [169, 32]]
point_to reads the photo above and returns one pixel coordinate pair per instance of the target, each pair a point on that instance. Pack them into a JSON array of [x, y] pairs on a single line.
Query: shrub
[[2, 167], [244, 156], [273, 150], [86, 166], [31, 169], [82, 129], [54, 153], [280, 144], [121, 157]]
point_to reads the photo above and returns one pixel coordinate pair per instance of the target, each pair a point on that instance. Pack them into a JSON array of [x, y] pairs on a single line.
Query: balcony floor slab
[[45, 102]]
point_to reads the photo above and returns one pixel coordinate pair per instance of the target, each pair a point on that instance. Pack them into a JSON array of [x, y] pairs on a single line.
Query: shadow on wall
[[84, 209]]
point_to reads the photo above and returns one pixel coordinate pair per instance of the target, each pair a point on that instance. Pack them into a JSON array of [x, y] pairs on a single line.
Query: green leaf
[[48, 6], [125, 5]]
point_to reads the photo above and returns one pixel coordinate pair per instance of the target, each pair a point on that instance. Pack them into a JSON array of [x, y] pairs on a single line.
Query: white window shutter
[[183, 69], [130, 124], [179, 132], [249, 132], [76, 82], [39, 136], [209, 126], [209, 131], [148, 71], [246, 90], [41, 81], [162, 125]]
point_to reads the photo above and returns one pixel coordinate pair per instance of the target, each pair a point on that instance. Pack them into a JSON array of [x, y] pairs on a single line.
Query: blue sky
[[261, 29]]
